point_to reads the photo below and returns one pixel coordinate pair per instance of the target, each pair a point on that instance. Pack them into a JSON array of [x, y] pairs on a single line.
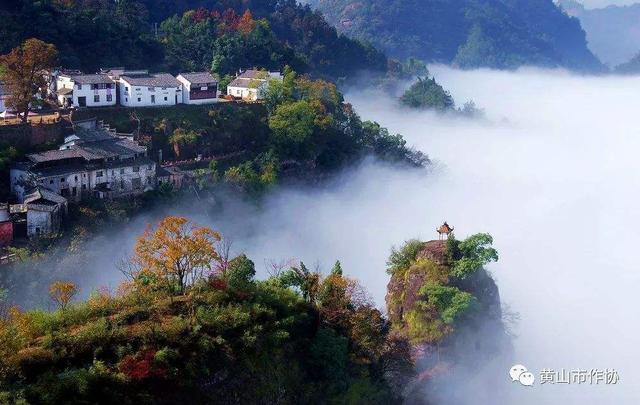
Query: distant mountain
[[613, 32], [630, 67], [468, 33]]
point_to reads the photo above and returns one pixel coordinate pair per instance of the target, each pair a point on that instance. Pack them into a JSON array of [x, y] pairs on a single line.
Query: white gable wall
[[143, 96]]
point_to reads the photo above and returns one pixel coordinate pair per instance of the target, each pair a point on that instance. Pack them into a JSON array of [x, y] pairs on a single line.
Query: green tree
[[471, 254], [451, 302], [403, 258], [239, 274], [427, 93], [293, 122]]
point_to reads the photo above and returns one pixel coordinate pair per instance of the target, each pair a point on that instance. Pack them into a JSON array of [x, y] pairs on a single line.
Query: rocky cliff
[[453, 321]]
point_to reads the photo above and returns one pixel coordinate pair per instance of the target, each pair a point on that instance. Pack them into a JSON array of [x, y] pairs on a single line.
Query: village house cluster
[[93, 162], [97, 162], [139, 88]]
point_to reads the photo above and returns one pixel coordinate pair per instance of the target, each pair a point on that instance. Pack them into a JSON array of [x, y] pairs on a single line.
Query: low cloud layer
[[553, 175]]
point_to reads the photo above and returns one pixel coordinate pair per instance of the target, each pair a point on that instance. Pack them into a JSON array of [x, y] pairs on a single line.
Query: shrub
[[401, 259]]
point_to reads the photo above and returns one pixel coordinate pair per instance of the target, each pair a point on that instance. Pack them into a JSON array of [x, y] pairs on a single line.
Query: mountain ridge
[[503, 34]]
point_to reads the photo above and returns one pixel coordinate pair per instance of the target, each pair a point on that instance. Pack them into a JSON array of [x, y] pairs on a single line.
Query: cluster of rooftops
[[137, 77], [140, 88]]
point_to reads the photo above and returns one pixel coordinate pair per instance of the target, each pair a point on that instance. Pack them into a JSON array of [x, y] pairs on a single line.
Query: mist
[[551, 172]]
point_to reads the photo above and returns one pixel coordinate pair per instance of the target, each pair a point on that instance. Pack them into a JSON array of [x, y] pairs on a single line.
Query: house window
[[99, 173], [94, 87], [113, 172], [152, 89], [62, 179], [126, 99], [136, 183], [75, 178], [96, 98], [165, 99], [136, 169], [50, 181], [121, 171], [126, 89], [79, 87], [73, 191], [137, 88], [121, 184], [139, 99], [109, 97], [108, 85], [153, 99], [84, 186]]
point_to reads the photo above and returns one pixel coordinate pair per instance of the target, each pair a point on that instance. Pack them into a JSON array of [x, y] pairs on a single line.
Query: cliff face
[[455, 326]]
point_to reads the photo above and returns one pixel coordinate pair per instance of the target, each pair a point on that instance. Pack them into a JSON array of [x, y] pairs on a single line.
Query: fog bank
[[553, 175]]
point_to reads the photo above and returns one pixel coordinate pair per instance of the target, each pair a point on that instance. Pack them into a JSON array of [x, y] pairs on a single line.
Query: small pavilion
[[444, 231]]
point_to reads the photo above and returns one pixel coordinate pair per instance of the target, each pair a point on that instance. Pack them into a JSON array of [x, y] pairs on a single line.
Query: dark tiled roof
[[91, 135], [41, 193], [111, 148], [116, 72], [64, 91], [152, 80], [91, 79], [254, 74], [199, 77], [166, 171], [246, 83], [55, 154]]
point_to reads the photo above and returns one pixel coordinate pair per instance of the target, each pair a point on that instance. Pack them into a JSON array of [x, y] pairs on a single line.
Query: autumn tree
[[246, 23], [23, 72], [175, 255], [62, 292]]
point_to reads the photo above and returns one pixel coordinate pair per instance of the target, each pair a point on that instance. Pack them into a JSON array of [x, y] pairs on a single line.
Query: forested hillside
[[193, 325], [468, 33], [631, 67], [90, 34]]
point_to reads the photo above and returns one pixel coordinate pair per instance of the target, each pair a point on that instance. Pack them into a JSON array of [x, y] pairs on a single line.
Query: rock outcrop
[[448, 348]]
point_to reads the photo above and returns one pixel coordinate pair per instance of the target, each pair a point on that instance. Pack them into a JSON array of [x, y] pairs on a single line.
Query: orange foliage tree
[[246, 23], [176, 254], [62, 292], [23, 70]]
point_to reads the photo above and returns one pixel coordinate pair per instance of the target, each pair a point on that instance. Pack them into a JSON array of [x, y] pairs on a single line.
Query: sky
[[605, 3]]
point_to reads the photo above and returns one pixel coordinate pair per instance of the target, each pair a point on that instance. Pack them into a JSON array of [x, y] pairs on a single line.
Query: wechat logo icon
[[520, 374]]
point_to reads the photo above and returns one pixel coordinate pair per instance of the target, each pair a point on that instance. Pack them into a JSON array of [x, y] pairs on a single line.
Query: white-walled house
[[93, 90], [93, 162], [198, 88], [149, 90], [251, 84]]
